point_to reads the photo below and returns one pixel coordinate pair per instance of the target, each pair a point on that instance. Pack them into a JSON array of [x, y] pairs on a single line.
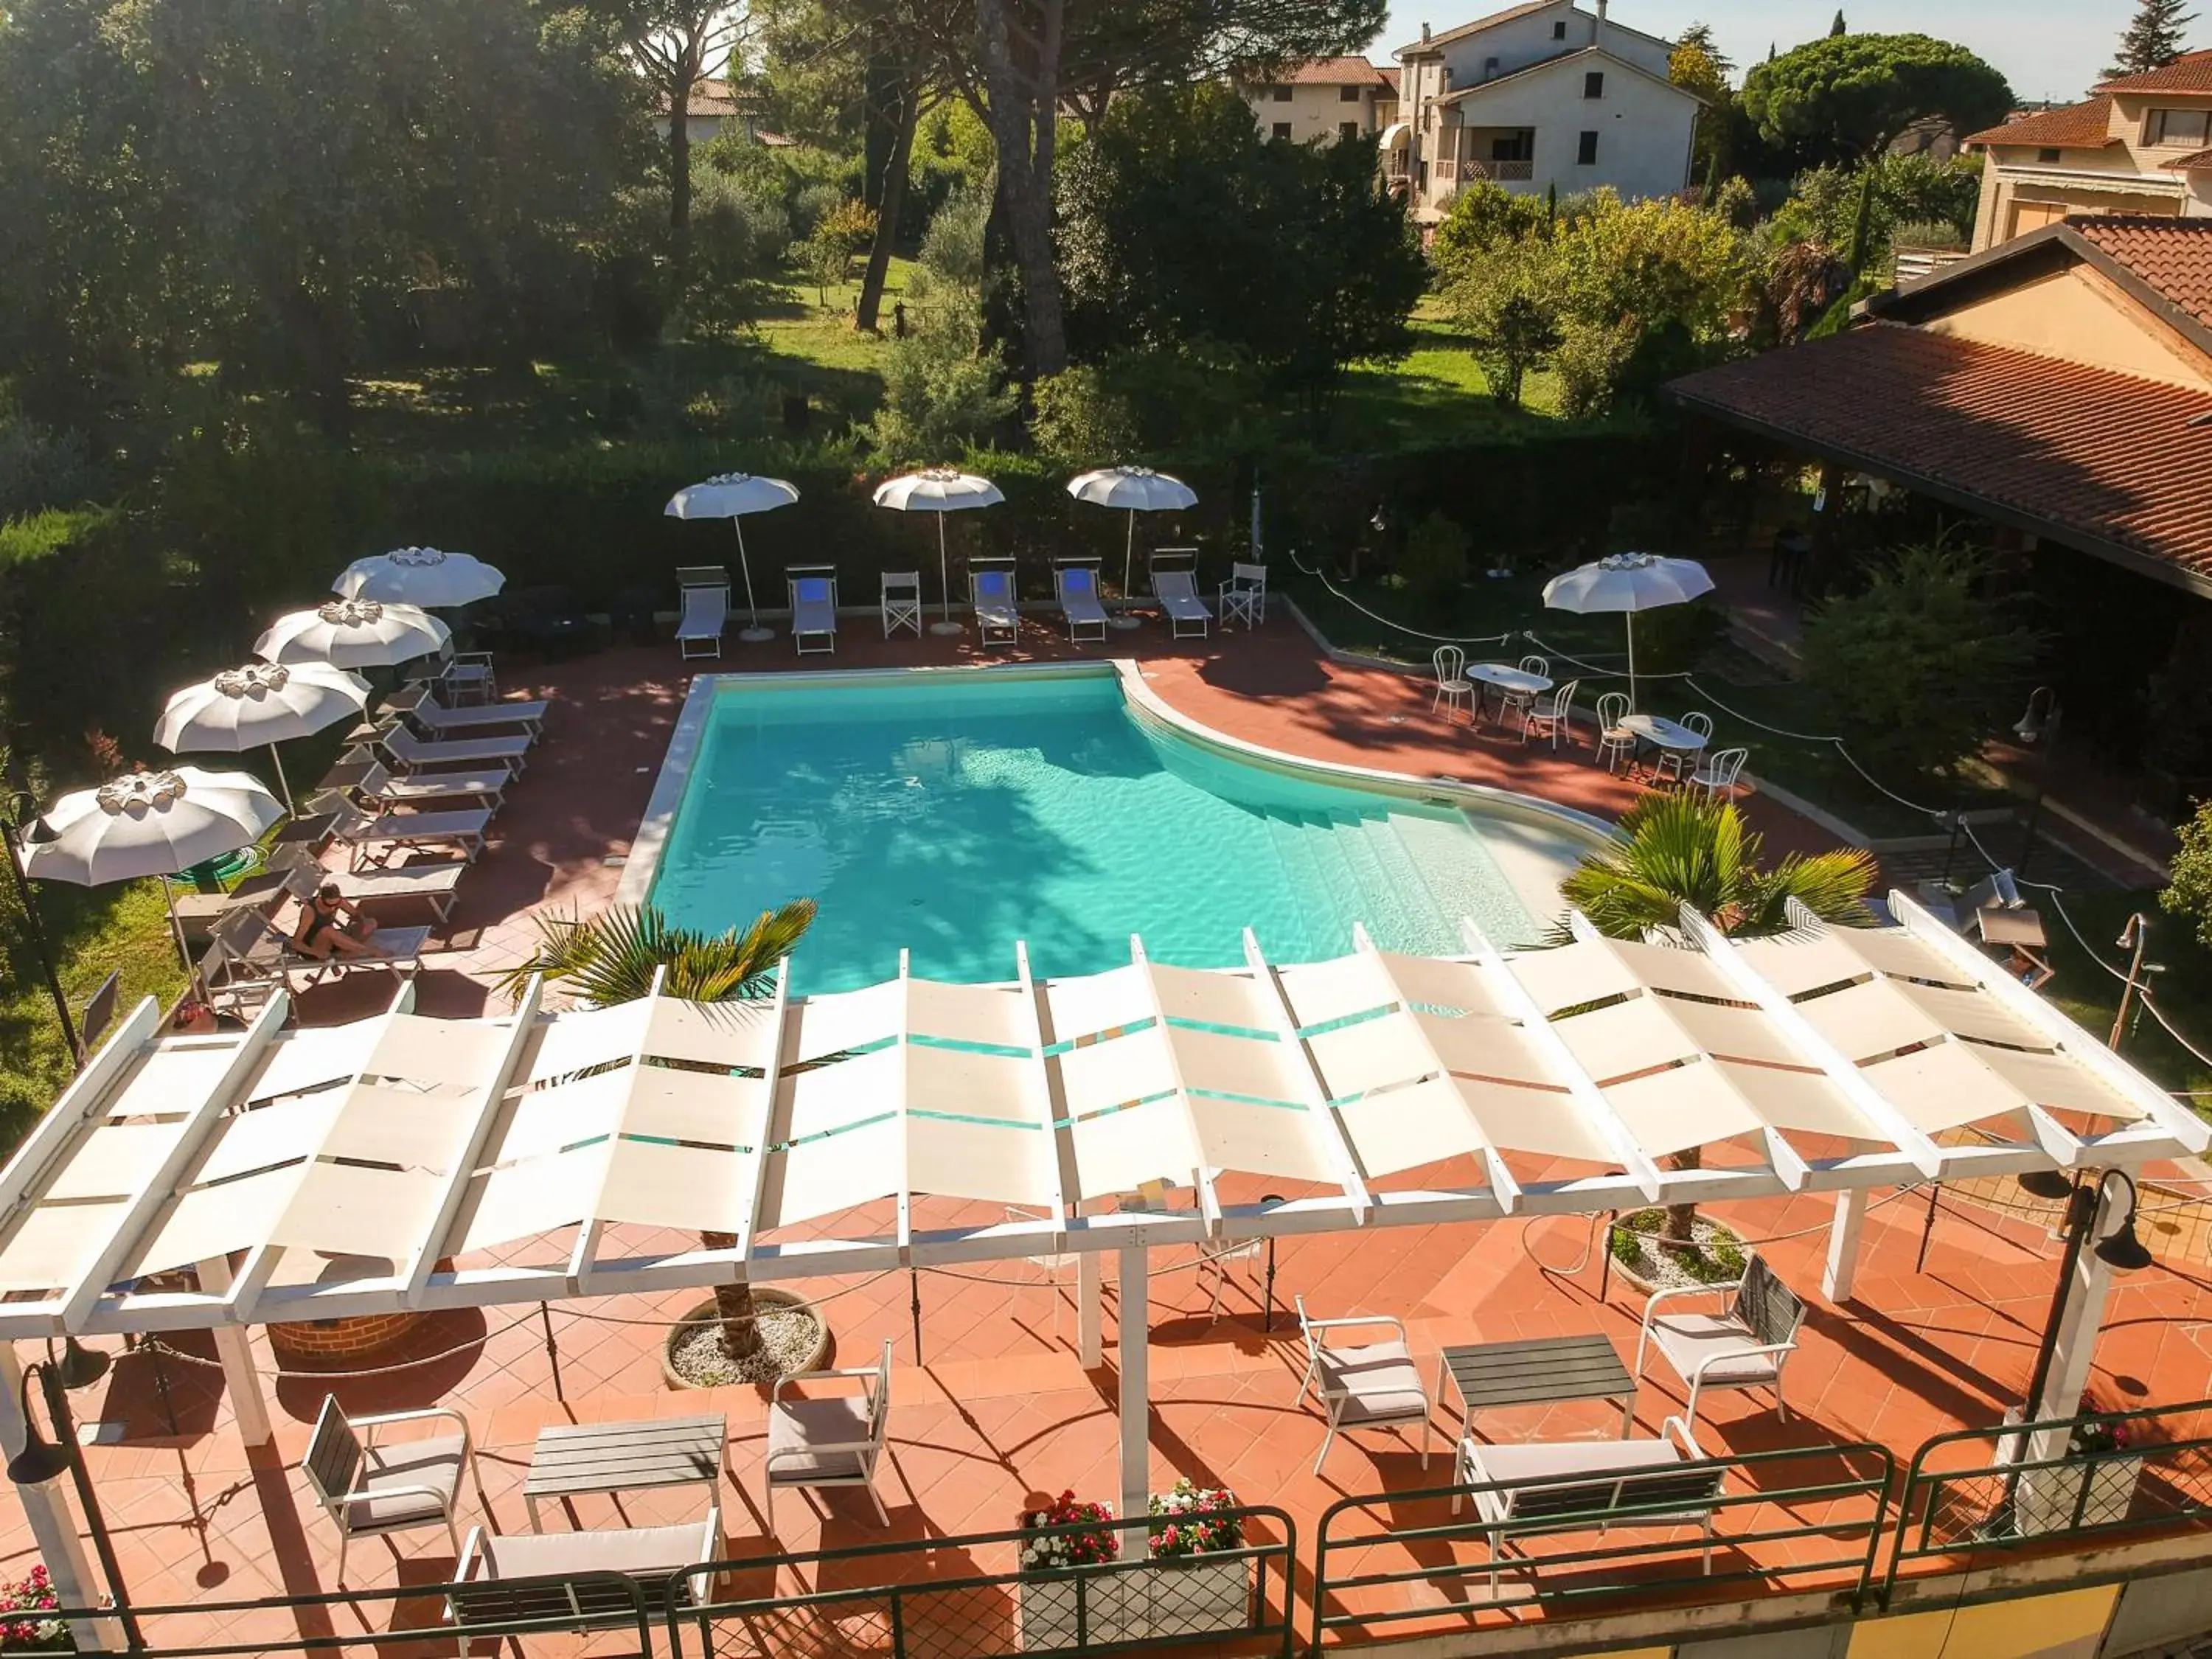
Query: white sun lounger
[[997, 619], [1177, 593], [485, 785], [375, 840], [705, 590], [435, 883], [410, 754], [250, 956], [813, 610], [439, 720], [1078, 587]]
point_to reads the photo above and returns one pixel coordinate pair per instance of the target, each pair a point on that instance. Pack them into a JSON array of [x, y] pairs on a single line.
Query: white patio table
[[1504, 679], [1671, 735]]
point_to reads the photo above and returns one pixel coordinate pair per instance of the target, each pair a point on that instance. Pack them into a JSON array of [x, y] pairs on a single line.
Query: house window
[[1560, 31], [2180, 126], [1586, 150], [1594, 84], [1348, 95], [1282, 130], [2050, 157], [1282, 94], [1347, 129], [1488, 67]]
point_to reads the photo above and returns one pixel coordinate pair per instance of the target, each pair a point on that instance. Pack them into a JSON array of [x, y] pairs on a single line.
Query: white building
[[2143, 145], [1539, 97], [1330, 98]]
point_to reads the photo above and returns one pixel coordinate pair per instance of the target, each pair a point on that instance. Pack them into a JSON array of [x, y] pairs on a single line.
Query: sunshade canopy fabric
[[407, 1161]]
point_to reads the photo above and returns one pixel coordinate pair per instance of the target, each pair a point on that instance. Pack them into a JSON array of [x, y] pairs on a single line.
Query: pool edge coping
[[651, 841]]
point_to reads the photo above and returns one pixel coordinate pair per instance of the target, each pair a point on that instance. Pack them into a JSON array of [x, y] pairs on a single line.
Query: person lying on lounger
[[330, 926]]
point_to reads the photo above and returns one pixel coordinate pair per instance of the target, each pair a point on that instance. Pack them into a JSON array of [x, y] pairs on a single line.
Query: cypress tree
[[1836, 28], [2154, 39]]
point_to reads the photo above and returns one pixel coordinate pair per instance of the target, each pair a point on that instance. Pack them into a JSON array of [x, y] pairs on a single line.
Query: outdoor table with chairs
[[1679, 742], [1516, 687]]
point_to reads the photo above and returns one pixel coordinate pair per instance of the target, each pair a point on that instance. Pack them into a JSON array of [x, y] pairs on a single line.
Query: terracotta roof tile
[[1478, 24], [1390, 74], [2116, 458], [1330, 72], [2203, 158], [2073, 126], [2173, 256], [2191, 72]]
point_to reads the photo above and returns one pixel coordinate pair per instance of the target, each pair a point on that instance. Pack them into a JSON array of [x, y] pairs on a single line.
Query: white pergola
[[305, 1174]]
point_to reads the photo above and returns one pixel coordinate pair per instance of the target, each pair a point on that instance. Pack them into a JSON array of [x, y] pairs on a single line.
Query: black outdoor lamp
[[1272, 1201], [2038, 731], [42, 1460], [2047, 1183], [2121, 1250]]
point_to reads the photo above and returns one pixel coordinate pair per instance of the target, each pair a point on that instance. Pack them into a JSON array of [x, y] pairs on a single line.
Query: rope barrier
[[1322, 577]]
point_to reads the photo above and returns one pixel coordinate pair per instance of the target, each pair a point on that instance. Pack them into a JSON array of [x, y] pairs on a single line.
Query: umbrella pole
[[944, 624], [1631, 660], [1123, 619], [284, 783], [184, 951], [755, 634]]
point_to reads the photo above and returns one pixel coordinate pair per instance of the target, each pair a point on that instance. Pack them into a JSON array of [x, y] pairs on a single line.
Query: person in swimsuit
[[330, 926]]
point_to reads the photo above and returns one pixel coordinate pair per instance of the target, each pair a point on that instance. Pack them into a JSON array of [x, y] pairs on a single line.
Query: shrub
[[1081, 418], [2189, 894], [41, 468], [1588, 362], [1918, 668], [1435, 563]]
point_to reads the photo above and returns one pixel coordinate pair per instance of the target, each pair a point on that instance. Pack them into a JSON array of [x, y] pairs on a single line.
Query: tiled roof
[[710, 97], [2191, 72], [2073, 126], [1330, 72], [1390, 74], [2203, 158], [2115, 458], [1478, 24], [2173, 256]]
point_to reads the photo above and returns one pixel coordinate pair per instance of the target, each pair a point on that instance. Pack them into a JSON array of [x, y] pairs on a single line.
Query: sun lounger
[[1078, 587], [1177, 593], [997, 620], [435, 717], [487, 786], [705, 590], [435, 883], [813, 610], [375, 840], [250, 956], [409, 753], [570, 1580]]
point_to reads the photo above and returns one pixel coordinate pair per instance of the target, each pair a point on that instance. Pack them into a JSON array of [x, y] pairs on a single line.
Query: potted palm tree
[[1676, 850], [613, 958]]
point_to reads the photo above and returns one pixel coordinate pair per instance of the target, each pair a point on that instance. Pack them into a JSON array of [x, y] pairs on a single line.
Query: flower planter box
[[2047, 1500], [1183, 1596]]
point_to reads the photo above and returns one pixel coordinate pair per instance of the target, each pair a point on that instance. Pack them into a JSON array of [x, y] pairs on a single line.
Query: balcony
[[1502, 172]]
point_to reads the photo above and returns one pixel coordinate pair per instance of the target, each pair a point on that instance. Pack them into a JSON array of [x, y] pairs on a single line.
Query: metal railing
[[2018, 1486], [373, 1619], [1488, 1559], [970, 1598], [1504, 173]]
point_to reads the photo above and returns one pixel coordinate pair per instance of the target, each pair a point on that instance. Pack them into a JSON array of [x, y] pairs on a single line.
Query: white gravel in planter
[[787, 1338], [1663, 1267]]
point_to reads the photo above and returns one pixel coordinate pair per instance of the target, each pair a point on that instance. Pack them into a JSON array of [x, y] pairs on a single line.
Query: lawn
[[2090, 994], [1436, 394]]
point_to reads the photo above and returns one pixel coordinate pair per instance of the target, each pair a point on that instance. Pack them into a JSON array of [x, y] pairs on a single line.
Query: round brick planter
[[762, 1297], [314, 1341]]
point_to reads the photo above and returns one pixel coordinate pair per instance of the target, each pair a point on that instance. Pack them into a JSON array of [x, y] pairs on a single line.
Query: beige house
[[1328, 98], [2143, 145], [1539, 97]]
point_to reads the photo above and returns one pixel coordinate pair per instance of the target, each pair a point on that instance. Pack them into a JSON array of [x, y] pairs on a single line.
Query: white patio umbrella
[[354, 633], [1628, 582], [1138, 489], [732, 495], [419, 575], [938, 489], [148, 824], [262, 703]]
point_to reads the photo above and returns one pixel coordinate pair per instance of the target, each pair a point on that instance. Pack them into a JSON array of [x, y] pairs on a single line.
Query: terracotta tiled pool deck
[[997, 1410]]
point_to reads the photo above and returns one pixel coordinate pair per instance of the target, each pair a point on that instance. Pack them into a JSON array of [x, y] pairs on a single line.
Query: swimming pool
[[953, 814]]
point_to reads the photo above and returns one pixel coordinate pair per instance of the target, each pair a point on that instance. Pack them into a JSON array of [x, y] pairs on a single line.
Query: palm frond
[[1833, 885], [612, 958]]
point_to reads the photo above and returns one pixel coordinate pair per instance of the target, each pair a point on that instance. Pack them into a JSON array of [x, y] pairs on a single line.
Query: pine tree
[[1700, 35], [1837, 27], [2154, 39]]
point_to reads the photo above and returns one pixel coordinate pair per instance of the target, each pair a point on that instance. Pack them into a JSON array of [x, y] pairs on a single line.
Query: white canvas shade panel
[[376, 1165]]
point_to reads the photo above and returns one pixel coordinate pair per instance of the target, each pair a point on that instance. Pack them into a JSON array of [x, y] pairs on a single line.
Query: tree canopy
[[2154, 38], [1846, 97]]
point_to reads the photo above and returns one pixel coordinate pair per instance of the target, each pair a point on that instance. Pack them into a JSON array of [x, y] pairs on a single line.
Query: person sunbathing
[[331, 926]]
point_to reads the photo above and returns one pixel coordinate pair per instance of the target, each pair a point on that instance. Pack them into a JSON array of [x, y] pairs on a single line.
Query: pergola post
[[1090, 1310], [53, 1525], [2081, 1316], [234, 1347], [1136, 1404], [1843, 1234]]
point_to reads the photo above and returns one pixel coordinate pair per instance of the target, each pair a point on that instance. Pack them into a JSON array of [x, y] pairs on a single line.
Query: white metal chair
[[1372, 1386], [1244, 595], [465, 678], [833, 1442], [1744, 1346], [1052, 1267], [1453, 685], [1217, 1261], [1676, 763], [369, 1490], [704, 590], [1716, 774], [1615, 742], [902, 602], [1552, 714], [1523, 701]]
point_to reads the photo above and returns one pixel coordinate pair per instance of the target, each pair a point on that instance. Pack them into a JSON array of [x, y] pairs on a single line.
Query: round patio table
[[1661, 733], [1507, 680]]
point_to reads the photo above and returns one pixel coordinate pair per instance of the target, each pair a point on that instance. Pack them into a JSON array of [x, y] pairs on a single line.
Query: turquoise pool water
[[956, 815]]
